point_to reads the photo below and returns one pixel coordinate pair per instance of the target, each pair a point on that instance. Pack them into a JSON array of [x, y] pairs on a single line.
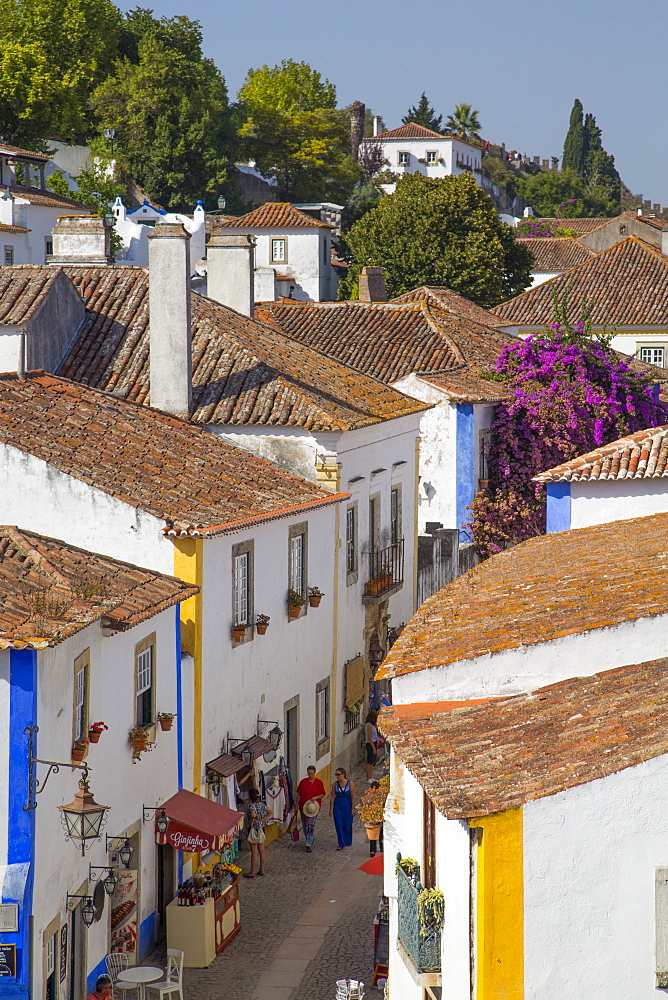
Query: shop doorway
[[78, 955], [166, 884], [292, 737]]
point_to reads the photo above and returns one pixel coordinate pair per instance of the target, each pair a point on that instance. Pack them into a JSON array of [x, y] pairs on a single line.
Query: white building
[[78, 631], [293, 253], [414, 149], [525, 706], [28, 212], [134, 225]]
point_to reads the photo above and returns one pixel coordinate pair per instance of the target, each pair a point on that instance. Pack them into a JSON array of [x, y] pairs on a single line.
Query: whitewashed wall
[[114, 780], [447, 150], [39, 219], [514, 671], [314, 277], [590, 855], [616, 500]]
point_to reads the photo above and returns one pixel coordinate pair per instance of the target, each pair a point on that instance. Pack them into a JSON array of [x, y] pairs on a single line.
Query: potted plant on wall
[[371, 810], [139, 741], [238, 632], [261, 624], [95, 731], [80, 749], [315, 595], [295, 603], [166, 719]]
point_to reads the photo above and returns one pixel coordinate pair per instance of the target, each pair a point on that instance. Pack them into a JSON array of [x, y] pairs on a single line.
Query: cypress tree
[[574, 144], [423, 114]]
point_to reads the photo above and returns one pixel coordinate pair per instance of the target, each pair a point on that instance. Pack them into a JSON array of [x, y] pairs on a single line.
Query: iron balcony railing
[[386, 569], [422, 942]]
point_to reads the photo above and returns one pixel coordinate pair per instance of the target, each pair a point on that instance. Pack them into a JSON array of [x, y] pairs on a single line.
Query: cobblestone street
[[306, 924]]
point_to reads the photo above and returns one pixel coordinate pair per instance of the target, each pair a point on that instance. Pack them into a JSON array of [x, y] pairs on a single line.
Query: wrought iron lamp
[[87, 910], [161, 820], [241, 750], [376, 653], [109, 881], [274, 735], [124, 851]]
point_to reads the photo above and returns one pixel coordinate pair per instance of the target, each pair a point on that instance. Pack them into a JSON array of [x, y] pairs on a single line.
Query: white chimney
[[377, 124], [230, 272], [81, 239], [169, 317], [664, 241]]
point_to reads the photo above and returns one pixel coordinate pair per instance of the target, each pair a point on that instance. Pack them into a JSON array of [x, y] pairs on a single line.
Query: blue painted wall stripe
[[558, 514], [179, 699], [464, 466]]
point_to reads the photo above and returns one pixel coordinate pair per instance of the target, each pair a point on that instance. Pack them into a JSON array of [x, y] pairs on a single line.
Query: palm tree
[[463, 121]]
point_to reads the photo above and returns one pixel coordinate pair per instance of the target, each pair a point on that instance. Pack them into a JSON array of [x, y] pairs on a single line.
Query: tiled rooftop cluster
[[51, 589], [5, 148], [556, 253], [243, 373], [49, 199], [196, 483], [477, 759], [450, 302], [626, 284], [543, 589], [272, 215], [642, 455]]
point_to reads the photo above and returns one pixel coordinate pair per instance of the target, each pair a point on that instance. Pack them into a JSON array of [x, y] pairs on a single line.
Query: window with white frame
[[653, 355], [483, 455], [81, 669], [145, 681], [395, 516], [322, 716], [403, 159], [51, 955], [297, 563], [351, 539], [325, 251], [9, 256], [241, 588], [279, 251], [431, 156]]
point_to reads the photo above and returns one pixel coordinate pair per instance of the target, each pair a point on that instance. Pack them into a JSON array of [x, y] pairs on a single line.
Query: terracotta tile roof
[[23, 291], [50, 589], [626, 284], [449, 301], [654, 222], [195, 482], [642, 455], [6, 149], [476, 760], [48, 199], [4, 228], [243, 372], [387, 340], [411, 131], [273, 215], [467, 386], [578, 225], [556, 253], [545, 588]]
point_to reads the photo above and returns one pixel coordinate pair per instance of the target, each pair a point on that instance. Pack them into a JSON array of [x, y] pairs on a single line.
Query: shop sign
[[8, 960], [124, 915], [63, 952], [190, 841], [9, 917]]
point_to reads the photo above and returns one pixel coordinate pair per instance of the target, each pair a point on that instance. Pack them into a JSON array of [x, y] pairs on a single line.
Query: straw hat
[[311, 808]]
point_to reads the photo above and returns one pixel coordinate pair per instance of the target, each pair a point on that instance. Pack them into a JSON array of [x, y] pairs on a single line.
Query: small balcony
[[422, 942], [386, 572]]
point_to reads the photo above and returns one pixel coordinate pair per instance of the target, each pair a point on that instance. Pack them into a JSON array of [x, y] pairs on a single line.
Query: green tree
[[423, 114], [550, 193], [575, 147], [175, 130], [599, 167], [53, 55], [463, 121], [295, 134], [439, 232]]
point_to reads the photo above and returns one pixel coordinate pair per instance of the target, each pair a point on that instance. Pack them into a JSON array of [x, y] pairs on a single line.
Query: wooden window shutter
[[354, 681]]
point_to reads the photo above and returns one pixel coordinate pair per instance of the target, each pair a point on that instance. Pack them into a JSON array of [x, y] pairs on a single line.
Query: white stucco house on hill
[[528, 767], [414, 149]]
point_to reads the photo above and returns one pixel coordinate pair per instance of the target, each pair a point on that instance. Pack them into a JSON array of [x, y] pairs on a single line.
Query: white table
[[141, 974]]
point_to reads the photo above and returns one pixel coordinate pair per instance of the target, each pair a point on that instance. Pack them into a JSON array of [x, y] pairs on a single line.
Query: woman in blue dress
[[341, 805]]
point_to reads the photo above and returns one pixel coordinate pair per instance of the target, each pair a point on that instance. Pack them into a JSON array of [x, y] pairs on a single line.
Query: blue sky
[[520, 63]]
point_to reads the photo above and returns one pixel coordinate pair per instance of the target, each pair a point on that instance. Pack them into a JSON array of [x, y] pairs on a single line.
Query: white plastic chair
[[117, 962], [173, 981]]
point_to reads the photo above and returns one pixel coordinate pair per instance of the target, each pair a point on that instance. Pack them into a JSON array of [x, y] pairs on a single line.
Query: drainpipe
[[21, 360]]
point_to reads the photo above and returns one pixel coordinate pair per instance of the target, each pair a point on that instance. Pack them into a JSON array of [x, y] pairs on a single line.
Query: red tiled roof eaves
[[232, 526]]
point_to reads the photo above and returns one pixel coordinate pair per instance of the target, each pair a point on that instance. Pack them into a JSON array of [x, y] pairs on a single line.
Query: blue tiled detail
[[558, 516], [464, 466], [179, 698], [147, 935], [99, 970]]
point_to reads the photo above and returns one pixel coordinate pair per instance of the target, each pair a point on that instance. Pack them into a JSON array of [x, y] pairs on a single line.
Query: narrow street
[[306, 924]]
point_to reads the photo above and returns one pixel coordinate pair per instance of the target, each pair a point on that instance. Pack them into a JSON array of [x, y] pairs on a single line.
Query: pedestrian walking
[[311, 792], [341, 805], [371, 743], [257, 814]]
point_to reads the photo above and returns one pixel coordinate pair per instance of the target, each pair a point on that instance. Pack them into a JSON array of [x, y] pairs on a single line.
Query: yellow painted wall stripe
[[188, 566], [499, 917]]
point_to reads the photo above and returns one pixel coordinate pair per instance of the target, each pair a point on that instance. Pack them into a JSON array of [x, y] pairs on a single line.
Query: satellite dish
[[270, 756]]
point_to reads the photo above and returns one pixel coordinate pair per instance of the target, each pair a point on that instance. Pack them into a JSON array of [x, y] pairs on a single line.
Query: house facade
[[414, 149], [134, 225]]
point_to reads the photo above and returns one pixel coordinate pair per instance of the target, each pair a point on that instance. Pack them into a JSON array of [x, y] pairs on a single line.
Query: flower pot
[[372, 832], [165, 723], [261, 629], [294, 610], [79, 755], [238, 634], [94, 735], [138, 743], [314, 602], [373, 588]]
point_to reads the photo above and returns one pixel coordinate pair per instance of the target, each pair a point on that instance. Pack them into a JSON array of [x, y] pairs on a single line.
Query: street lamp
[[124, 852], [274, 735], [83, 817], [109, 881], [221, 202], [161, 820], [87, 909], [376, 653]]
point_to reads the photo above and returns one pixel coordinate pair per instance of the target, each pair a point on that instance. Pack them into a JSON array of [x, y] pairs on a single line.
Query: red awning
[[197, 824]]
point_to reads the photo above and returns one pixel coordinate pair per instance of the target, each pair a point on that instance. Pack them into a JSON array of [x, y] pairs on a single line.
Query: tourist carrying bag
[[256, 835]]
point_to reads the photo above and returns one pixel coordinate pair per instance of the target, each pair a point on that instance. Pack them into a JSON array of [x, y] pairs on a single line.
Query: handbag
[[256, 835]]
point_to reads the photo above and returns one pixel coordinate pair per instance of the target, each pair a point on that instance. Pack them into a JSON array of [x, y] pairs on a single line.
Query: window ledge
[[322, 748], [421, 979], [377, 599]]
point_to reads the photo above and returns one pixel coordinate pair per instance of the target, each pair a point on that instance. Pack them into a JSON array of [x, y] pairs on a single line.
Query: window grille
[[351, 541], [652, 355], [145, 687]]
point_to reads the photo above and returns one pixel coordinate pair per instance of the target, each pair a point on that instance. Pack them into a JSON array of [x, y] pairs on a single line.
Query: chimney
[[664, 241], [230, 270], [372, 285], [357, 111], [377, 124], [169, 313], [81, 239]]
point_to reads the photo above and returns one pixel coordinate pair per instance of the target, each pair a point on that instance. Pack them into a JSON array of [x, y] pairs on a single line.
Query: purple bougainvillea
[[568, 393]]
